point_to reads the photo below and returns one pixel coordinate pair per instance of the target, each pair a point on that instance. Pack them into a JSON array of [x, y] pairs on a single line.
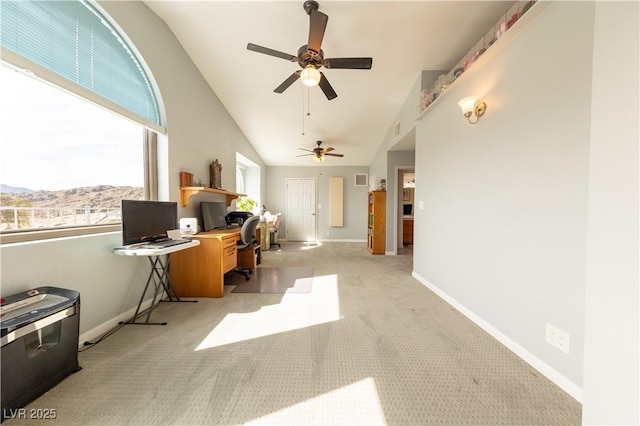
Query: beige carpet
[[267, 279], [368, 345]]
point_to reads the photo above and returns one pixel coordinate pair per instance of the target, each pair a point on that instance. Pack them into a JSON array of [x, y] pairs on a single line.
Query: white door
[[301, 210]]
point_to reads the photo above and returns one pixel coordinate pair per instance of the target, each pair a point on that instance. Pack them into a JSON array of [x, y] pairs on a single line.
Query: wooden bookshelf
[[376, 228]]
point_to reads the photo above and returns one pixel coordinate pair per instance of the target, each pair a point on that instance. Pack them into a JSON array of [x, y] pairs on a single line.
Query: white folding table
[[160, 259]]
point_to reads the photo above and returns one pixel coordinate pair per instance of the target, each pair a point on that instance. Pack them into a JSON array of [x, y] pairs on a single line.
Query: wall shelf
[[187, 191], [524, 19]]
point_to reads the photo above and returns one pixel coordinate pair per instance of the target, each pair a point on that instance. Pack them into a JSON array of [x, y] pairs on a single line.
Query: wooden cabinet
[[376, 222], [199, 272], [407, 231]]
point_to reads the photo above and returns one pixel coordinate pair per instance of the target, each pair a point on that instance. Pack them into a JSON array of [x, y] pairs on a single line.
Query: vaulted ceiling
[[403, 38]]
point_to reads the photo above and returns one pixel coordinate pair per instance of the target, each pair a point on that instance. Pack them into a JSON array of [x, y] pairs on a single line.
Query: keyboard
[[165, 244]]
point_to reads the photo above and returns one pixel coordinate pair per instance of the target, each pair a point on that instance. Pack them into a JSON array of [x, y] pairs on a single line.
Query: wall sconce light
[[471, 106]]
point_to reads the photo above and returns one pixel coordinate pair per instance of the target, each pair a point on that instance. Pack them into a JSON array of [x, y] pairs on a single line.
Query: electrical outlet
[[327, 232], [558, 338]]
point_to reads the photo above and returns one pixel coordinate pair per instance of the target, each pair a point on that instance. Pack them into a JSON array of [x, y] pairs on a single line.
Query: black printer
[[237, 217]]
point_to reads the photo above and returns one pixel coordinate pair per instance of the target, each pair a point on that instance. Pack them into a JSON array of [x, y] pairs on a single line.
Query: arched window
[[74, 46]]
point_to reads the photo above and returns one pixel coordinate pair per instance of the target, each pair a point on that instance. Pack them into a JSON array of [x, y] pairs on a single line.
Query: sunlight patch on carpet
[[294, 311], [354, 404], [311, 245]]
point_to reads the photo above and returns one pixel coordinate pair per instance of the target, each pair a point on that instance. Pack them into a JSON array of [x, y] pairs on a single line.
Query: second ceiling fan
[[311, 57], [319, 152]]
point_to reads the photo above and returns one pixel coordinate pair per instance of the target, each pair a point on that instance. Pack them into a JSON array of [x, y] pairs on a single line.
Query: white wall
[[612, 357], [199, 130], [503, 230], [355, 199], [407, 118]]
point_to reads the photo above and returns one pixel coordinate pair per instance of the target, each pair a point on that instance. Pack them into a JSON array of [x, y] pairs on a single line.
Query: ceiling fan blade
[[349, 63], [303, 155], [328, 149], [326, 87], [303, 149], [317, 25], [271, 52], [333, 155], [288, 82]]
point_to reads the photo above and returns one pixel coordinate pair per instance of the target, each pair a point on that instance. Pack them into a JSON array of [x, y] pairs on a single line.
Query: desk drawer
[[229, 258], [230, 240]]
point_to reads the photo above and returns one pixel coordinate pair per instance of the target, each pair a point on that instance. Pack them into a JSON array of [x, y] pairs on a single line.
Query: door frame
[[397, 216]]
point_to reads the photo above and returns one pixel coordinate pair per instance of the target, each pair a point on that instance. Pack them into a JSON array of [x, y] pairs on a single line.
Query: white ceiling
[[402, 37]]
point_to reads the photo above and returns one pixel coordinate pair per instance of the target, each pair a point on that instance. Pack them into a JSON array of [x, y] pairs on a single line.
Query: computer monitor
[[144, 221], [407, 209], [213, 215]]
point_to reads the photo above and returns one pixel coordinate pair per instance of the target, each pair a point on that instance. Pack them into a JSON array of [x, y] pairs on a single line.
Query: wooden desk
[[200, 272]]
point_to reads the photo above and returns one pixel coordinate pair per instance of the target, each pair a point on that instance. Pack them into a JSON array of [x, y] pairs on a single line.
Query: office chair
[[274, 224], [247, 238]]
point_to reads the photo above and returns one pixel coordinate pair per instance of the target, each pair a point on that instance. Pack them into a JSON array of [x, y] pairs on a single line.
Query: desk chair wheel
[[245, 272]]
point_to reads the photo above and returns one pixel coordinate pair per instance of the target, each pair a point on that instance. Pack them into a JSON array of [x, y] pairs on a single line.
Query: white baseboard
[[347, 240], [564, 383], [99, 330]]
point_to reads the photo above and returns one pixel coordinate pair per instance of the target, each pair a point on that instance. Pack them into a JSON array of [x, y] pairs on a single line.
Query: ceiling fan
[[319, 152], [311, 57]]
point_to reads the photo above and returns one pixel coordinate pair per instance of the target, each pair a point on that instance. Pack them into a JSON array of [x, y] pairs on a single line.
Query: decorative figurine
[[215, 172]]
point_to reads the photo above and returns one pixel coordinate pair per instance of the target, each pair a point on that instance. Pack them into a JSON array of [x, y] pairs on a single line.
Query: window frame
[[151, 131], [241, 177]]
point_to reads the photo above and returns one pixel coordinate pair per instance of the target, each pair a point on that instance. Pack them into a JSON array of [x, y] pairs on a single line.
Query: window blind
[[73, 40]]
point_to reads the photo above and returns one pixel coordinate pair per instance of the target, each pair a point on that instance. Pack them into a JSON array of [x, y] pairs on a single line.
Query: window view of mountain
[[24, 208], [12, 189]]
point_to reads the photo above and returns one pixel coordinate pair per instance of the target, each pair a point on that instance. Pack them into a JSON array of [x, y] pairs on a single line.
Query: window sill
[[47, 234]]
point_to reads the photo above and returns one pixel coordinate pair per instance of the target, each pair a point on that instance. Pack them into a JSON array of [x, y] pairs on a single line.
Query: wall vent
[[361, 179]]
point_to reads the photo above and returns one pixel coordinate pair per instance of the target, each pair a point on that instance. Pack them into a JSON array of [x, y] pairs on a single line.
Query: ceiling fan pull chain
[[308, 103]]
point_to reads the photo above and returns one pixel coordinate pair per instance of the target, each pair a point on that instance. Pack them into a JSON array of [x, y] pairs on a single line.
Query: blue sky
[[52, 140]]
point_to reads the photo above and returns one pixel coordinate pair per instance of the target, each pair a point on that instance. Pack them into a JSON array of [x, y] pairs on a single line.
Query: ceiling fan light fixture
[[319, 158], [310, 76]]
